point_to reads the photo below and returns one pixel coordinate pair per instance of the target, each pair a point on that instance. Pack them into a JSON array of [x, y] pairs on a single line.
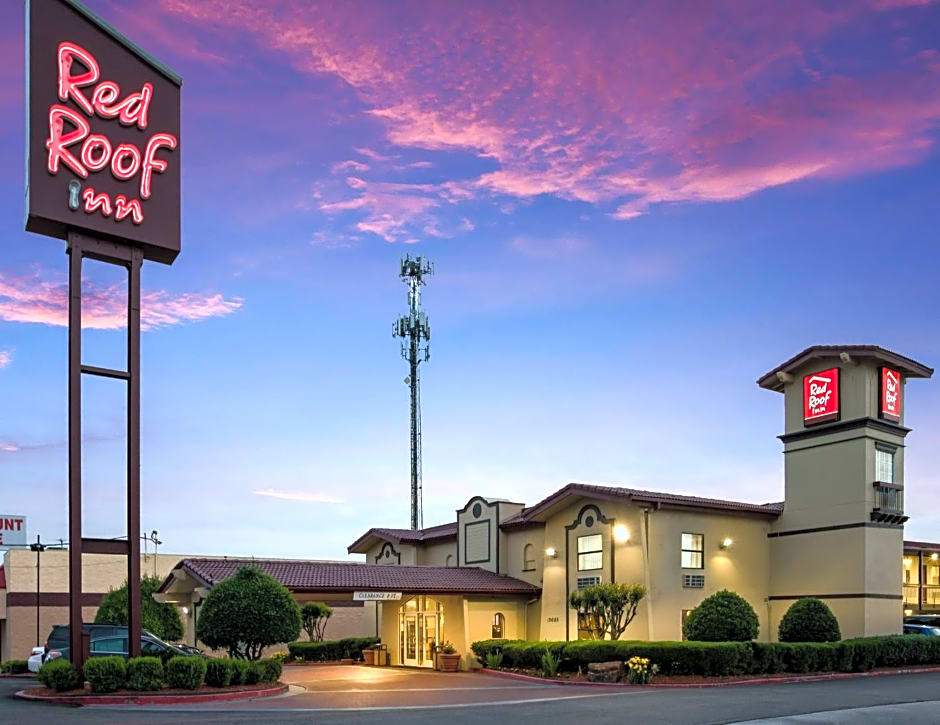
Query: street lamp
[[38, 547]]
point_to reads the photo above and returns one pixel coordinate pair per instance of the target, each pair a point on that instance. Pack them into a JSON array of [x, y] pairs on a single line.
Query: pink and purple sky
[[635, 209]]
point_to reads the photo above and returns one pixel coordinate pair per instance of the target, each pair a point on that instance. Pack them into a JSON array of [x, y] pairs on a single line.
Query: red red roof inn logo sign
[[821, 396], [890, 408], [103, 133]]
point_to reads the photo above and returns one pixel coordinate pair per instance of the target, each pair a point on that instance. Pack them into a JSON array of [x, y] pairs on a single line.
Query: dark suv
[[106, 639]]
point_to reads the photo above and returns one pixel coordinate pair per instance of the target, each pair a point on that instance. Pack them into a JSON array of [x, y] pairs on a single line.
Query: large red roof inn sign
[[103, 133]]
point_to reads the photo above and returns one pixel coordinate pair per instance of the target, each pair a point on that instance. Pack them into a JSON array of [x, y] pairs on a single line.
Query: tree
[[161, 618], [722, 617], [248, 612], [809, 620], [608, 608], [313, 617]]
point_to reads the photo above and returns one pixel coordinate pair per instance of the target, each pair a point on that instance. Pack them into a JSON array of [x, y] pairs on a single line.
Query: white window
[[528, 558], [693, 551], [590, 552], [884, 465]]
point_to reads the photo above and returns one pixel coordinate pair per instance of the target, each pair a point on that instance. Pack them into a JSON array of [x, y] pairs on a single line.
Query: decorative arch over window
[[499, 626], [528, 558], [388, 555]]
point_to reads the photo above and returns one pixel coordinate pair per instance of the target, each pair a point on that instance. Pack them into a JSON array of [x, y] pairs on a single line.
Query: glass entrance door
[[430, 639], [411, 640]]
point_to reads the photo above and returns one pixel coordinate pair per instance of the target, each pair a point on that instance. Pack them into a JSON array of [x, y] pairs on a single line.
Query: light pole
[[38, 547]]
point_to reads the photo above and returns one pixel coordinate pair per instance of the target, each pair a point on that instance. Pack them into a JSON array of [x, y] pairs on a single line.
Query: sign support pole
[[75, 451], [131, 258]]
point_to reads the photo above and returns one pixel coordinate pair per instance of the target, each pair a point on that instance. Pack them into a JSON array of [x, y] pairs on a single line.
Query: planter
[[368, 655], [448, 662]]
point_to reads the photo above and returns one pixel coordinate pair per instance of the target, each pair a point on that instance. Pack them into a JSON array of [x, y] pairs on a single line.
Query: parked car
[[188, 648], [58, 639], [922, 629], [36, 656], [932, 620]]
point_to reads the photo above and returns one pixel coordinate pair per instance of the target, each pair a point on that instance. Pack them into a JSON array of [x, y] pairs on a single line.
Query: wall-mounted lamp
[[907, 562], [621, 533], [550, 552], [934, 557], [185, 611], [908, 612], [726, 543]]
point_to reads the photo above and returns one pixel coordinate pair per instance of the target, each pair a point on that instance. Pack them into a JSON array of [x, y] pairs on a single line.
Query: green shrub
[[722, 617], [486, 646], [186, 673], [14, 667], [106, 674], [494, 660], [59, 675], [271, 669], [767, 658], [219, 672], [161, 618], [331, 651], [865, 653], [809, 620], [549, 662], [239, 671], [145, 673], [253, 673], [248, 612], [313, 618]]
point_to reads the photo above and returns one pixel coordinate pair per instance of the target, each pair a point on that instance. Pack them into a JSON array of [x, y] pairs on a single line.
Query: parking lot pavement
[[912, 699]]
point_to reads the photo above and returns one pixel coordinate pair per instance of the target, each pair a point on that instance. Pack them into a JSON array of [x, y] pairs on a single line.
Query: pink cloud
[[390, 208], [350, 165], [620, 106], [31, 299], [6, 357]]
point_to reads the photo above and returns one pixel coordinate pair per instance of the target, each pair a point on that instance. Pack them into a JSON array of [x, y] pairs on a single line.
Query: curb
[[152, 699], [790, 679]]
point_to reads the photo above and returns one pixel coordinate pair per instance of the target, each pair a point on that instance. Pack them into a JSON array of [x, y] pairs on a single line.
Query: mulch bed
[[204, 690], [574, 678]]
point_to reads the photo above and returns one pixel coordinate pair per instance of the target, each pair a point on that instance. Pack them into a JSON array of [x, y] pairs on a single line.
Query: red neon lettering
[[136, 107], [92, 143], [123, 207], [151, 163], [118, 169], [57, 140], [95, 201], [106, 92], [68, 84]]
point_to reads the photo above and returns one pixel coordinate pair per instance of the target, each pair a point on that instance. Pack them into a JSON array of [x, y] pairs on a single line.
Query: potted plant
[[447, 657]]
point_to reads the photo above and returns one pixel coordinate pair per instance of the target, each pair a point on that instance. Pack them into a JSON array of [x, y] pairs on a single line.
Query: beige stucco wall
[[435, 554]]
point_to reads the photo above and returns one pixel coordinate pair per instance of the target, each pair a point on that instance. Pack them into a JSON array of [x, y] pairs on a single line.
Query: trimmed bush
[[145, 673], [253, 673], [106, 674], [186, 673], [722, 617], [239, 671], [331, 651], [271, 669], [809, 620], [59, 675], [14, 667], [219, 672], [488, 646], [248, 612]]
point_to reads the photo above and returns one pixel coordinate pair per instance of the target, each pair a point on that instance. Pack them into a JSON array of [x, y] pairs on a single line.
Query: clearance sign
[[821, 396], [889, 406], [103, 133]]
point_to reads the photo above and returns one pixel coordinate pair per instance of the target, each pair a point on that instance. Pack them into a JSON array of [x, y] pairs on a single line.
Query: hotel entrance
[[421, 620]]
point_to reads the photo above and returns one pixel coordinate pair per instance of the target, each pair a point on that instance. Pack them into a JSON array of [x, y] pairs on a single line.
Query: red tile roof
[[432, 533], [305, 576], [640, 496]]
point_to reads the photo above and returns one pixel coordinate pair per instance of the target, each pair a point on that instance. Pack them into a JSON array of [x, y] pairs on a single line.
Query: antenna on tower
[[415, 332]]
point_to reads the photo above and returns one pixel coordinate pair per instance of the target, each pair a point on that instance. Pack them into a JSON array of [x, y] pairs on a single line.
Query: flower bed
[[723, 659]]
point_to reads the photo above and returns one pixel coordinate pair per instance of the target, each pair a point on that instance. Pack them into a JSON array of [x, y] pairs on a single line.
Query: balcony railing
[[931, 597], [926, 597], [889, 503], [911, 595]]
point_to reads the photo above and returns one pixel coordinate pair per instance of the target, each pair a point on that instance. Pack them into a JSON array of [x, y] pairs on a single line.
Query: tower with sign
[[840, 536], [103, 174]]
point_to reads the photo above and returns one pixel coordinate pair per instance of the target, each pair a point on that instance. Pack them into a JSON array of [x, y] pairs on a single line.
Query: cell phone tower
[[415, 332]]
